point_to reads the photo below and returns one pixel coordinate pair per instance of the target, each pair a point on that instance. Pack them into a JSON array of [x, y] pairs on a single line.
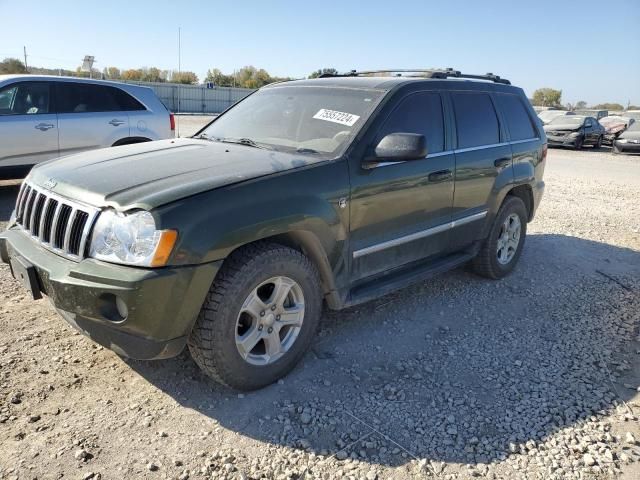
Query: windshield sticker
[[334, 116]]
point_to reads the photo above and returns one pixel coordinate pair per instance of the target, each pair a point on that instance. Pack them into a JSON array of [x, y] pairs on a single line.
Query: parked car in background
[[574, 131], [590, 112], [44, 117], [613, 126], [629, 140], [547, 115]]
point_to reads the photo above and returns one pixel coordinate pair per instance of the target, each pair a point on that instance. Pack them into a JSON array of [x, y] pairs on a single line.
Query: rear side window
[[476, 120], [26, 98], [419, 113], [80, 98], [518, 120]]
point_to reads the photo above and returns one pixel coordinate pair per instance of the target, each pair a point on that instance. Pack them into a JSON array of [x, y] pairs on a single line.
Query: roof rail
[[426, 73]]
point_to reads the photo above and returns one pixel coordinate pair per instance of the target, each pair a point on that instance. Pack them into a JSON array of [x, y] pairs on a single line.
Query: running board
[[404, 277]]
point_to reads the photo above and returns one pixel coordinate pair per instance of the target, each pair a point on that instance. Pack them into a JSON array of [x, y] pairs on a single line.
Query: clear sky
[[590, 49]]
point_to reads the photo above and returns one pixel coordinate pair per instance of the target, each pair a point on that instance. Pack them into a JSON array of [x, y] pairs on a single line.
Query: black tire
[[212, 342], [486, 262], [579, 143], [598, 143]]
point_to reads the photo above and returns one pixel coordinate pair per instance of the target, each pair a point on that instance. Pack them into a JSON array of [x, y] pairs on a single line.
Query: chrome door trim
[[418, 235], [480, 147], [429, 155]]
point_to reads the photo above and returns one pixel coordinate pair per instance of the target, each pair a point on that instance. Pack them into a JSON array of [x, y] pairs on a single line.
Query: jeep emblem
[[50, 184]]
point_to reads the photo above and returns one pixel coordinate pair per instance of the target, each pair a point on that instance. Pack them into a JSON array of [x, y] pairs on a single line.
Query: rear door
[[482, 156], [28, 124], [89, 116], [400, 211]]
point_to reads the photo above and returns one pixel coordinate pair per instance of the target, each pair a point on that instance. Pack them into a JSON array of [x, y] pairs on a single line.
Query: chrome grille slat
[[43, 215], [55, 222]]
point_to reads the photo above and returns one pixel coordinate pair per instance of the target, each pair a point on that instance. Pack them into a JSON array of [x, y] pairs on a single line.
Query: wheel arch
[[310, 245], [525, 193]]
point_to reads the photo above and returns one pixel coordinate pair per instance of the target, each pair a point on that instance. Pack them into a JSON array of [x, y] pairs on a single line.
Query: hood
[[147, 175], [560, 127]]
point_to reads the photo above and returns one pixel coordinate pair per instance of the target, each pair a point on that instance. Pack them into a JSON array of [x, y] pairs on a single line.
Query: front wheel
[[598, 143], [579, 143], [259, 317], [501, 250]]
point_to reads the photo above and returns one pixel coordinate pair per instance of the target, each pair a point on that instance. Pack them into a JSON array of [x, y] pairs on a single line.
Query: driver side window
[[26, 98], [419, 113]]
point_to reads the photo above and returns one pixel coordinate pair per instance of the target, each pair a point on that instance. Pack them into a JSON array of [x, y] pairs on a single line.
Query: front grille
[[57, 223]]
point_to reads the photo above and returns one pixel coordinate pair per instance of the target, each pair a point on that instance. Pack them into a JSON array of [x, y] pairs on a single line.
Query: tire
[[487, 263], [598, 143], [579, 143], [224, 320]]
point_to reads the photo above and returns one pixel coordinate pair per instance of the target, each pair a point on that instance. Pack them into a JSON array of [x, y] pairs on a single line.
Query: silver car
[[44, 117]]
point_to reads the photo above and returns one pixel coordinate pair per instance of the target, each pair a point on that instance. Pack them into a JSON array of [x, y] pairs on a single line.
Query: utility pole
[[25, 59], [179, 79]]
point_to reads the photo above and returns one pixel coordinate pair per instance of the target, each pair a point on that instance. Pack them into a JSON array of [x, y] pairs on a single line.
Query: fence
[[195, 98]]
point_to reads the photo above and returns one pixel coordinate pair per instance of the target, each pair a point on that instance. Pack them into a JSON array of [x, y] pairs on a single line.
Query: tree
[[12, 65], [581, 105], [112, 73], [186, 78], [633, 107], [153, 74], [608, 106], [219, 79], [323, 71], [132, 74], [547, 97]]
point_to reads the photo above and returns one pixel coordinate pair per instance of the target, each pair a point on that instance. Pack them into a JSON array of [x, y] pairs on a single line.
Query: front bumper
[[162, 304], [627, 147], [563, 140]]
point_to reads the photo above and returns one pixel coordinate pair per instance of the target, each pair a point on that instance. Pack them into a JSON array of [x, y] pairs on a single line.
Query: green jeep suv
[[334, 190]]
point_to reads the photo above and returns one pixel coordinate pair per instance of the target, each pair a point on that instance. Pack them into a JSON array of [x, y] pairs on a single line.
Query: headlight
[[622, 140], [131, 239], [574, 134]]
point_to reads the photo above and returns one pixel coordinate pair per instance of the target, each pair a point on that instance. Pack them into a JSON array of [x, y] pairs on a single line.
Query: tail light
[[172, 122]]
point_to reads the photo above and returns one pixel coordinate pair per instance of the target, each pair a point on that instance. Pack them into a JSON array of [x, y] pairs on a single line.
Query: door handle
[[116, 123], [502, 162], [440, 176], [43, 127]]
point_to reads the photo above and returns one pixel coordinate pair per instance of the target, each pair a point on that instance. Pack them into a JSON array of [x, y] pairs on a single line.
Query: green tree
[[153, 74], [218, 78], [547, 97], [12, 65], [323, 71], [581, 105], [608, 106], [633, 107]]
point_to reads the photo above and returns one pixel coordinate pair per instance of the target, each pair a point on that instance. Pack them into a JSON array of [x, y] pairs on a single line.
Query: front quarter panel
[[213, 224]]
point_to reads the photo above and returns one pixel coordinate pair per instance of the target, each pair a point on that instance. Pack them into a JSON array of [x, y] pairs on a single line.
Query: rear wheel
[[501, 250], [259, 317]]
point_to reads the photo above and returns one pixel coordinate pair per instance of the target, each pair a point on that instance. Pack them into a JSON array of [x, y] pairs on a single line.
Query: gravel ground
[[532, 377]]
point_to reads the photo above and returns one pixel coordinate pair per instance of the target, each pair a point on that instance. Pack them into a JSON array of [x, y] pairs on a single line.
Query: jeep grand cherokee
[[335, 190]]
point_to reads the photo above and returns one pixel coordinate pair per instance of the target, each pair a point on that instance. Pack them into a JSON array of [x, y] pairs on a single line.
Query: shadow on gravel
[[8, 195], [459, 369]]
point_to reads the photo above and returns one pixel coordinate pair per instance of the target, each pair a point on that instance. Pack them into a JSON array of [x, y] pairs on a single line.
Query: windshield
[[567, 120], [547, 115], [313, 120]]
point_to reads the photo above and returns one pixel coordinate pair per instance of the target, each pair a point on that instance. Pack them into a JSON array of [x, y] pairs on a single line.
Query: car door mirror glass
[[399, 147]]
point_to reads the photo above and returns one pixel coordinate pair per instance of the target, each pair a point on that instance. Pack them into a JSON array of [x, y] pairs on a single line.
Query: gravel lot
[[532, 377]]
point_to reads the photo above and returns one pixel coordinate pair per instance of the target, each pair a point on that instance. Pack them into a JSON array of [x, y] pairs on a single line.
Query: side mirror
[[398, 147]]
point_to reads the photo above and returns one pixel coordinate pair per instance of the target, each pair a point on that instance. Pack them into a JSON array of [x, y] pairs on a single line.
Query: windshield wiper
[[245, 141]]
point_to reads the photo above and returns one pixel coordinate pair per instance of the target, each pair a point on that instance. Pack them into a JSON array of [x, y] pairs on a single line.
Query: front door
[[28, 126], [400, 212]]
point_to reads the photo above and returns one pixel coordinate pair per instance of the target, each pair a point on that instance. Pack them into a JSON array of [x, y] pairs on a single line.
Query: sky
[[588, 49]]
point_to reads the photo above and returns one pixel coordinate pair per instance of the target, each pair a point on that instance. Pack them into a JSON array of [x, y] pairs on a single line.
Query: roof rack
[[424, 73]]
